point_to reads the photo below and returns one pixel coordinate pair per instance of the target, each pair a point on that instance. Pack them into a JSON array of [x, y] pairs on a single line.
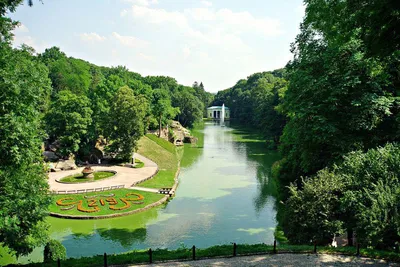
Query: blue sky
[[217, 42]]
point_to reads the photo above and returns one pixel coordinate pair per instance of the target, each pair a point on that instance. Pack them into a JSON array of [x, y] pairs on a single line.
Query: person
[[334, 243]]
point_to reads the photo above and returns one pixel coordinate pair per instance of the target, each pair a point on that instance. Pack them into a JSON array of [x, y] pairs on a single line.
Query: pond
[[225, 195]]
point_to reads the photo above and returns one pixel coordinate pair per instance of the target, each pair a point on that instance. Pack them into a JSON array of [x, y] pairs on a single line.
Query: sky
[[217, 42]]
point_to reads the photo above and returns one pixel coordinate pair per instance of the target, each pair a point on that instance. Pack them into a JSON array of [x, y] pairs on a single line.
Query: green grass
[[78, 178], [184, 253], [104, 210], [162, 142], [164, 154], [138, 164]]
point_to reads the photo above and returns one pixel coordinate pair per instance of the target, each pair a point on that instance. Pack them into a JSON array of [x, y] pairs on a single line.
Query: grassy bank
[[164, 154], [79, 178], [103, 203], [184, 253]]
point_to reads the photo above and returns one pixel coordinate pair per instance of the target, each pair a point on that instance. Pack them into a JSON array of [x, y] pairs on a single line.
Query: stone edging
[[87, 182], [145, 179]]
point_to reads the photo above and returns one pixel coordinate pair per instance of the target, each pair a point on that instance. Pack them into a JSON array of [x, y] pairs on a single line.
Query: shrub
[[54, 250]]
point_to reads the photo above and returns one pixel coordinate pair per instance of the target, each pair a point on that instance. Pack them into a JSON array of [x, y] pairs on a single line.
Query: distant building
[[215, 112]]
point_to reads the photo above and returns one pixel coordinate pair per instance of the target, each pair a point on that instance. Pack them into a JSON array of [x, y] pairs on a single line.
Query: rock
[[66, 165], [50, 156], [190, 139]]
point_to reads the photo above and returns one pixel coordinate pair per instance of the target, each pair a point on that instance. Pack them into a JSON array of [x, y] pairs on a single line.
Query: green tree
[[68, 120], [360, 194], [190, 107], [67, 73], [312, 213], [126, 122], [24, 197], [340, 98], [161, 107]]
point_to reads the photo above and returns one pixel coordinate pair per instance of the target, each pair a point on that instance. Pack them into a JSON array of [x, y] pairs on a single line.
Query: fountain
[[88, 173], [222, 115]]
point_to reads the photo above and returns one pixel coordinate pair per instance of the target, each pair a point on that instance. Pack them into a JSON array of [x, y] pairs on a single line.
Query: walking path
[[125, 176], [295, 260]]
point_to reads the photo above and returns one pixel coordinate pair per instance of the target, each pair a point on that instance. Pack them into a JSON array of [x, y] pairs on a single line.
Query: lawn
[[78, 178], [164, 154], [102, 203]]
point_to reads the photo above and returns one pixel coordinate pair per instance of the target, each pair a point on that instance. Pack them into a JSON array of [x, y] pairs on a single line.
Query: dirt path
[[295, 260]]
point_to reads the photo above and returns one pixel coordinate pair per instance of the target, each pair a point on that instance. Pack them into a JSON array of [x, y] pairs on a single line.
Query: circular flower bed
[[79, 177]]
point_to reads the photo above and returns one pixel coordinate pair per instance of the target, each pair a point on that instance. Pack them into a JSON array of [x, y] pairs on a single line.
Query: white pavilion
[[218, 112]]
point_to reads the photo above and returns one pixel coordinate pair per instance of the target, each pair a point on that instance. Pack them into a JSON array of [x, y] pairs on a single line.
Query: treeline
[[87, 102], [336, 121]]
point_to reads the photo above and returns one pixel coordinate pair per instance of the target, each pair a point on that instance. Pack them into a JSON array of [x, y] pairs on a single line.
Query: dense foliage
[[24, 88], [343, 96], [361, 194]]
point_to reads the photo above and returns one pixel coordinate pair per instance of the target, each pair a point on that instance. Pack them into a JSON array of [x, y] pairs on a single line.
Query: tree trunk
[[159, 127]]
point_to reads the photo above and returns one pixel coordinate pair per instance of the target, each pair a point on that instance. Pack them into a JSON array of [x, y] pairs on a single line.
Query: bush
[[54, 250]]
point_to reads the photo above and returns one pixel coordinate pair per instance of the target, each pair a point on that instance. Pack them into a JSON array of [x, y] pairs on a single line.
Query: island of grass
[[102, 203], [138, 164], [79, 178], [164, 154]]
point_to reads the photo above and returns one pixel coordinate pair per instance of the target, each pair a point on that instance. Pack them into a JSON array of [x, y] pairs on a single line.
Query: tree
[[126, 122], [339, 99], [360, 194], [7, 24], [67, 73], [312, 213], [24, 197], [68, 120], [162, 108], [190, 107]]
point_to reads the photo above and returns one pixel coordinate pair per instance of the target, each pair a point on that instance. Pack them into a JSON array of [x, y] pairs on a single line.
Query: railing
[[97, 189], [190, 254]]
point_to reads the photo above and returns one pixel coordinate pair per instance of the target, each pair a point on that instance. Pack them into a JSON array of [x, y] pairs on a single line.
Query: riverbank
[[163, 153]]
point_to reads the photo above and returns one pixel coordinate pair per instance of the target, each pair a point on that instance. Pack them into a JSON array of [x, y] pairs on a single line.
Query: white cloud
[[130, 41], [143, 2], [224, 19], [158, 16], [146, 57], [206, 3], [92, 37], [186, 52]]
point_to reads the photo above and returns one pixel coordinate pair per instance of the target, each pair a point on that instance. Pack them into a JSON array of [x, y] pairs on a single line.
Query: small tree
[[53, 251], [162, 108], [312, 212]]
